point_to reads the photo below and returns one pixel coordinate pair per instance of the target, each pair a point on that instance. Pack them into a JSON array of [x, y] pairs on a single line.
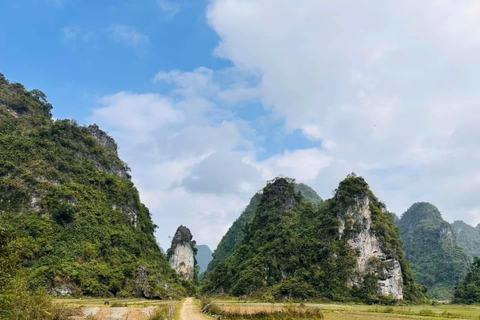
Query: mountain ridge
[[437, 259], [78, 225]]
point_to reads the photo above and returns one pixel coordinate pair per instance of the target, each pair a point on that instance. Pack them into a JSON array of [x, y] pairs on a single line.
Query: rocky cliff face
[[356, 224], [182, 254]]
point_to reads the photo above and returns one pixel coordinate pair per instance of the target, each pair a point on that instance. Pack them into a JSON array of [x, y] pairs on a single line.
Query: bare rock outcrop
[[356, 224], [181, 254]]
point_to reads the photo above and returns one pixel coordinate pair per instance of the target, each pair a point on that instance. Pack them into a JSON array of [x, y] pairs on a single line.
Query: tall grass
[[283, 313], [165, 312]]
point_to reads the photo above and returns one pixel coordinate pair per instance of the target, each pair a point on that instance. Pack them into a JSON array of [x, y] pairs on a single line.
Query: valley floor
[[136, 309]]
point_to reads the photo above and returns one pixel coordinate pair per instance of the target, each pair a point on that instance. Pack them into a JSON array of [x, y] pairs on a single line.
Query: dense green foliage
[[67, 199], [204, 256], [16, 301], [437, 260], [235, 234], [292, 249], [469, 290], [468, 237]]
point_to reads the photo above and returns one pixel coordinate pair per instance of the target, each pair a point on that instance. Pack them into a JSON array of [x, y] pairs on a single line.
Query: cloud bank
[[384, 89]]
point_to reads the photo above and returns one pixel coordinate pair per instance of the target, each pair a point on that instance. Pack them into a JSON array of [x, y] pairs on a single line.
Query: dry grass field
[[140, 309], [119, 309], [340, 311]]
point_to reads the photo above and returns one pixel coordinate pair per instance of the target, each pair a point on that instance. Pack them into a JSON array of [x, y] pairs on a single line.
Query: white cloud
[[389, 88], [127, 35], [140, 113], [183, 147]]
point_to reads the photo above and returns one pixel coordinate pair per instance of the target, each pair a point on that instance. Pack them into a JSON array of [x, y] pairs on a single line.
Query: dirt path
[[190, 311]]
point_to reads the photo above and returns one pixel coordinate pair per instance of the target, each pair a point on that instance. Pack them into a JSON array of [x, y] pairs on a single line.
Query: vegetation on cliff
[[293, 249], [235, 234], [76, 220], [468, 237], [437, 260]]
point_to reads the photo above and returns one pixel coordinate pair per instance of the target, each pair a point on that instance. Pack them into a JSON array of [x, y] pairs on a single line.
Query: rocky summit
[[343, 248], [182, 254]]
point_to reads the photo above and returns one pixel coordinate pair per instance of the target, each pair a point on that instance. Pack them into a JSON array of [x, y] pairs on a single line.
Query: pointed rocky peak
[[102, 137], [358, 210], [181, 254], [280, 191]]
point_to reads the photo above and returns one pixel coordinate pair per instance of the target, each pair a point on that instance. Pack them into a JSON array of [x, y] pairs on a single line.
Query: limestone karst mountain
[[468, 237], [346, 248], [437, 260], [77, 223], [204, 256], [235, 234], [181, 254]]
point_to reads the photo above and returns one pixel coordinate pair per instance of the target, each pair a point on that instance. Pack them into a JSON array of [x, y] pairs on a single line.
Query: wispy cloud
[[75, 33], [118, 33], [171, 8], [127, 35]]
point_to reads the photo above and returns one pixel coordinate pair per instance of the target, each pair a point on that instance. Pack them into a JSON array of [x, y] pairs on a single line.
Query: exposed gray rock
[[182, 253], [371, 257], [101, 136]]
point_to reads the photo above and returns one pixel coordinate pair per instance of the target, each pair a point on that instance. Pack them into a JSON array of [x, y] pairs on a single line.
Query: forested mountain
[[437, 260], [75, 218], [236, 232], [348, 248], [204, 256], [469, 290], [468, 237]]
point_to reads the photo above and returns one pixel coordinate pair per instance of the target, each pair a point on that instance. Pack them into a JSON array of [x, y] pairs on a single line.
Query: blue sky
[[208, 99]]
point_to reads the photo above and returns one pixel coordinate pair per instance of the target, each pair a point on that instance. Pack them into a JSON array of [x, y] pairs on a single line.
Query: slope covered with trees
[[76, 219], [437, 260], [469, 290], [295, 249], [235, 234], [468, 237]]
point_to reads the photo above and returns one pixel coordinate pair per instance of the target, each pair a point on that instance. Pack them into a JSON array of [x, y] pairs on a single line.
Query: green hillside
[[76, 219], [235, 234], [469, 290], [468, 237], [297, 250], [437, 260]]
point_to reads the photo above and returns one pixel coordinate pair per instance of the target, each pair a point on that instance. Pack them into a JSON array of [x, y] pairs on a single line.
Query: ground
[[190, 311], [137, 309]]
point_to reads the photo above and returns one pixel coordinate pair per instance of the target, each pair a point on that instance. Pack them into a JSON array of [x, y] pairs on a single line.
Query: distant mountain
[[67, 199], [468, 237], [236, 232], [346, 248], [437, 259], [204, 256]]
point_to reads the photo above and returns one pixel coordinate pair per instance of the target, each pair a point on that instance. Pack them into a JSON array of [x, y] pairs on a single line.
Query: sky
[[209, 99]]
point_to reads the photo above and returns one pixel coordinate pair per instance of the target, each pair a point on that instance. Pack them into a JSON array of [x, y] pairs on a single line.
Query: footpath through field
[[190, 311]]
